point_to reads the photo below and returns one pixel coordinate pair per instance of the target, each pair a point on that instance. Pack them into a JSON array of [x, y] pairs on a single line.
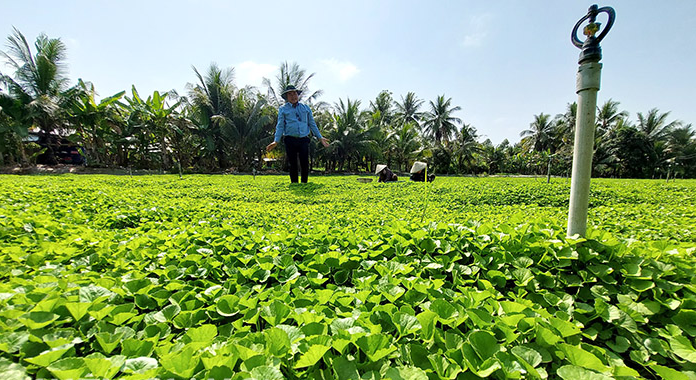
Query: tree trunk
[[221, 159], [49, 156]]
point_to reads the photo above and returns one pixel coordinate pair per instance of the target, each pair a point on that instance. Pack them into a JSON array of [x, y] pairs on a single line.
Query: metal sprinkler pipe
[[587, 86]]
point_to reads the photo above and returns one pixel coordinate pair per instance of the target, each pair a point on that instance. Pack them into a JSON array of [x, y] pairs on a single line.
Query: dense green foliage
[[243, 278], [217, 126]]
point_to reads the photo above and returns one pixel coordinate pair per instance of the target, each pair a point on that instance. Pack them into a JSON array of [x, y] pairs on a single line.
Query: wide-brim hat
[[418, 166], [290, 88], [380, 168]]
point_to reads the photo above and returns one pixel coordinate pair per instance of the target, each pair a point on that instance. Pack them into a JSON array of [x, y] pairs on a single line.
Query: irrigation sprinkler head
[[590, 49]]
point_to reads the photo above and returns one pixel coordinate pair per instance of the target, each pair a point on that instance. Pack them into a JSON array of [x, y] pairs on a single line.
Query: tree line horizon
[[217, 126]]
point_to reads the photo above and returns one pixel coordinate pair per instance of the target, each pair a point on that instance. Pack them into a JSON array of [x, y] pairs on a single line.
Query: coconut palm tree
[[681, 149], [495, 158], [39, 83], [654, 124], [351, 136], [408, 111], [563, 137], [251, 123], [655, 127], [466, 146], [404, 145], [383, 108], [565, 124], [211, 99], [608, 115], [540, 134], [634, 152], [440, 123], [290, 74]]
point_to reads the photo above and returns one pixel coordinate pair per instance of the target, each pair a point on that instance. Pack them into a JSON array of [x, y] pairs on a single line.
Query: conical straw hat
[[380, 168], [418, 166]]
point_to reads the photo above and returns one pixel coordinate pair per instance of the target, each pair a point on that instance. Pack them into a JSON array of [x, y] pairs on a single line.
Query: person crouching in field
[[418, 172], [385, 175], [295, 124]]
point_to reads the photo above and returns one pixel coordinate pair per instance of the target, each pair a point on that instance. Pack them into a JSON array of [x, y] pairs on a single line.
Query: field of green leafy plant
[[231, 277]]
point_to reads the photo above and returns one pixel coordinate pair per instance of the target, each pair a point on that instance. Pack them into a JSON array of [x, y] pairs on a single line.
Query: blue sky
[[501, 61]]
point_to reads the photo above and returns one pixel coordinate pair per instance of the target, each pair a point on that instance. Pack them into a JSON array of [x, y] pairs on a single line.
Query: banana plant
[[153, 122], [95, 123]]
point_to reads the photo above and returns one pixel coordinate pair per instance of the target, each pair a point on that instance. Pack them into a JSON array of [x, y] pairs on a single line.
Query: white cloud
[[476, 30], [343, 71], [252, 73]]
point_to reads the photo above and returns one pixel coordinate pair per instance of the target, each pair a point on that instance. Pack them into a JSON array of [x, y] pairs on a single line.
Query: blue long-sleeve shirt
[[296, 121]]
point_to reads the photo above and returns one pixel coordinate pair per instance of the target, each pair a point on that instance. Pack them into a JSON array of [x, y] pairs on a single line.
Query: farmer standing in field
[[295, 123]]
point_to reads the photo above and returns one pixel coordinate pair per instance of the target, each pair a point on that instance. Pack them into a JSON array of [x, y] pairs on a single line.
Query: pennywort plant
[[241, 278]]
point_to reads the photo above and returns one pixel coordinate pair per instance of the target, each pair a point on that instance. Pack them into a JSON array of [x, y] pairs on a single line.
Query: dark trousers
[[297, 149]]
